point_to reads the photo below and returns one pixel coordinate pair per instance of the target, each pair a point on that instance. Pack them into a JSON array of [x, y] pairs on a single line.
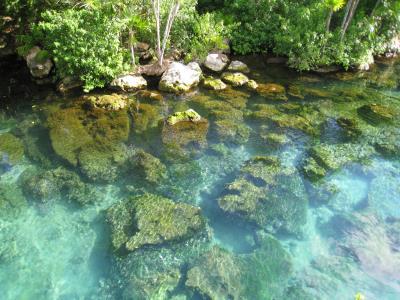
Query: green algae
[[12, 146], [12, 201], [268, 194], [152, 220]]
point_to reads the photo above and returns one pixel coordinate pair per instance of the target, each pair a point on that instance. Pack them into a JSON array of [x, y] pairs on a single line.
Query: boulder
[[393, 47], [235, 79], [147, 167], [272, 91], [185, 116], [129, 83], [222, 275], [376, 113], [216, 62], [11, 149], [74, 134], [69, 85], [238, 66], [267, 194], [214, 84], [179, 78], [252, 85], [152, 220], [111, 102], [39, 63]]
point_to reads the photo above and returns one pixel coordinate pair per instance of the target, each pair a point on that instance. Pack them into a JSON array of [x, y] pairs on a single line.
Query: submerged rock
[[129, 83], [273, 91], [219, 274], [44, 186], [235, 79], [107, 102], [216, 62], [238, 66], [185, 134], [186, 116], [12, 201], [147, 167], [152, 220], [180, 78], [90, 139], [375, 113], [214, 84], [69, 85], [268, 194], [11, 149]]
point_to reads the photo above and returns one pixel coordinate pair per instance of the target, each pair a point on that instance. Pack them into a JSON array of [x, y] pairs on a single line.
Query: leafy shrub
[[82, 43]]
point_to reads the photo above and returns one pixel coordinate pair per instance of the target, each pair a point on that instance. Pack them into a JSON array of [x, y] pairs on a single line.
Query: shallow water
[[339, 234]]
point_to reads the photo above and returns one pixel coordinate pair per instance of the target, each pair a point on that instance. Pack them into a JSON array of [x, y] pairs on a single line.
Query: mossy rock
[[272, 91], [214, 84], [233, 131], [90, 139], [12, 201], [152, 220], [186, 134], [376, 114], [267, 194], [146, 117], [252, 85], [313, 170], [183, 116], [216, 275], [148, 168], [262, 274], [44, 186], [102, 163], [111, 102], [333, 157], [235, 79], [11, 148]]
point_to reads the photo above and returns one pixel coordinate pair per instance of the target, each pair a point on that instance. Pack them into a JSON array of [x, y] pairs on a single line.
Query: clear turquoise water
[[349, 244]]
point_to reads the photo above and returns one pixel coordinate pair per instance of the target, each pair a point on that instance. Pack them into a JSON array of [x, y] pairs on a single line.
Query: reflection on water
[[289, 192]]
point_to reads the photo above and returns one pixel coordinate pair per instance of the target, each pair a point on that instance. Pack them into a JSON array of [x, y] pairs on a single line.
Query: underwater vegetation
[[288, 189]]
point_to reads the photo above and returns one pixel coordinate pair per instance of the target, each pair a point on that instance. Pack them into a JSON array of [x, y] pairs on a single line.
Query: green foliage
[[82, 43]]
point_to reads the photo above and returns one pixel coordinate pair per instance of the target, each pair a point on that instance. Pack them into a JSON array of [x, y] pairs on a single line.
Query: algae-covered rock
[[107, 102], [44, 186], [12, 201], [233, 131], [216, 275], [102, 163], [219, 274], [313, 170], [238, 66], [252, 85], [272, 90], [235, 79], [268, 194], [185, 133], [148, 167], [214, 84], [376, 113], [184, 116], [90, 139], [11, 147], [333, 157], [146, 117], [152, 220], [388, 143], [350, 126]]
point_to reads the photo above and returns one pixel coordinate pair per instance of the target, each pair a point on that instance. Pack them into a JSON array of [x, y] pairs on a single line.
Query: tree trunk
[[132, 48], [378, 2], [171, 16], [156, 9], [349, 16], [329, 19]]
